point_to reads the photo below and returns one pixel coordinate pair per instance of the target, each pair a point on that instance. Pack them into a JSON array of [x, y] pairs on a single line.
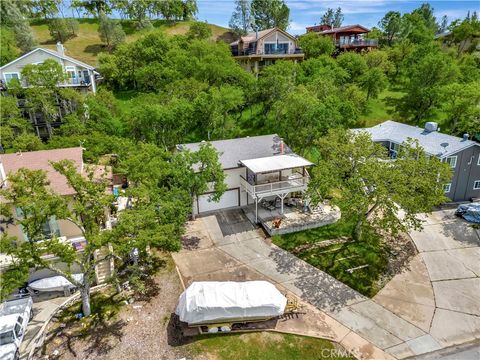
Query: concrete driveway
[[440, 292]]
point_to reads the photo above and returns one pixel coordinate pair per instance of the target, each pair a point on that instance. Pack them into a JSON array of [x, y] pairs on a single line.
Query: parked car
[[470, 212], [14, 318]]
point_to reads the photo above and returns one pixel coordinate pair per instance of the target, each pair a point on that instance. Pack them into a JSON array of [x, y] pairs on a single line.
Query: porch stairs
[[104, 269]]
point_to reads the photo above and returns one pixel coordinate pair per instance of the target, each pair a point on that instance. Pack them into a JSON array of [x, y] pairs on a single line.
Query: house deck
[[293, 219]]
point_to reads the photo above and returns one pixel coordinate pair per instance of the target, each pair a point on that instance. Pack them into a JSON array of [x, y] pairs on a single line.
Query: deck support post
[[256, 210]]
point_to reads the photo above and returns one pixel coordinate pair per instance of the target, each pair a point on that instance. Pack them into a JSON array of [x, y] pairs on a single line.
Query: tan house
[[262, 48], [65, 230]]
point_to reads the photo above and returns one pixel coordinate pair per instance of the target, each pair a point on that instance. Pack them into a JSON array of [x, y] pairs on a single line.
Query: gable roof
[[433, 142], [53, 53], [233, 151], [254, 36], [40, 160], [339, 29]]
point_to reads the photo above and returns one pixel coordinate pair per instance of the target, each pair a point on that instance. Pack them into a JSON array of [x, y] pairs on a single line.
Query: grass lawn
[[382, 108], [87, 45], [266, 346], [337, 258]]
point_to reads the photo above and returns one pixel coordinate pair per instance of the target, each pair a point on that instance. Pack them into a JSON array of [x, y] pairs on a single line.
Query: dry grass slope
[[87, 45]]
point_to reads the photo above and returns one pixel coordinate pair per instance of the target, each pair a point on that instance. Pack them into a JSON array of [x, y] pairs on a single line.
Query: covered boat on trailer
[[217, 306]]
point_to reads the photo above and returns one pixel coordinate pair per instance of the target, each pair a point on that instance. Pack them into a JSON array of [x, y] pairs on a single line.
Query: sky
[[365, 12]]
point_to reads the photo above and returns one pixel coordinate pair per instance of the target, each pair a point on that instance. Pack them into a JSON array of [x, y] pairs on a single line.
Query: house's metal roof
[[275, 163], [433, 142], [232, 151], [339, 29]]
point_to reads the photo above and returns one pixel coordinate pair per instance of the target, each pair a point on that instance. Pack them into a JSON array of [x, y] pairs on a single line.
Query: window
[[447, 187], [49, 227], [276, 48], [6, 338], [476, 185], [18, 330], [452, 161], [10, 76]]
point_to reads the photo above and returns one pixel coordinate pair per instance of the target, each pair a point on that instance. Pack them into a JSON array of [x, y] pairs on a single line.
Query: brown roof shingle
[[40, 160]]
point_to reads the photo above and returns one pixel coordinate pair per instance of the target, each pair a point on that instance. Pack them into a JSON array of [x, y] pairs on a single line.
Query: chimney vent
[[431, 126], [60, 49], [465, 136], [282, 149]]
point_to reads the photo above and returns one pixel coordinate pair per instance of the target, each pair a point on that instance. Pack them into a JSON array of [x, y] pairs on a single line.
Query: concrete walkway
[[247, 256], [440, 291], [42, 312], [412, 315]]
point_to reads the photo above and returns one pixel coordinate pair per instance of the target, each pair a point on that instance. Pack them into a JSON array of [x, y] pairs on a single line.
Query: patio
[[293, 218]]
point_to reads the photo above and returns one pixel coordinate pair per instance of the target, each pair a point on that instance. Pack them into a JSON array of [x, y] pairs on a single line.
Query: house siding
[[466, 172]]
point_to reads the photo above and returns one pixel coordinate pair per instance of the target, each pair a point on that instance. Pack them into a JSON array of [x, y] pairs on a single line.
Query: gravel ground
[[141, 330]]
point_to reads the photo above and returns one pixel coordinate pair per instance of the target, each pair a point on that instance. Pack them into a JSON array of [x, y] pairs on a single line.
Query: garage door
[[229, 199]]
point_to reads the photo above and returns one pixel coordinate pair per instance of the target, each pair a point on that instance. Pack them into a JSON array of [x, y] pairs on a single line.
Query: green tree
[[424, 84], [28, 191], [391, 25], [44, 8], [199, 30], [93, 7], [241, 20], [328, 17], [215, 109], [426, 12], [13, 19], [270, 13], [314, 45], [353, 173], [333, 18], [8, 48], [353, 63], [373, 81], [338, 17], [63, 29], [300, 118], [111, 33], [460, 103], [198, 172]]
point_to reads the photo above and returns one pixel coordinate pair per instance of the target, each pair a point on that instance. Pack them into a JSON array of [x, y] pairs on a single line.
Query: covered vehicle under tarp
[[208, 302], [470, 212]]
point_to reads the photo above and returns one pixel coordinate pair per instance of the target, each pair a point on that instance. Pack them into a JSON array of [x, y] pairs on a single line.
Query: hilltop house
[[80, 76], [65, 230], [262, 48], [462, 154], [347, 38], [257, 168]]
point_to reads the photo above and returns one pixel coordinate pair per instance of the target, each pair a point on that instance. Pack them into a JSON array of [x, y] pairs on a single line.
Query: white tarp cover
[[54, 283], [212, 301], [275, 163]]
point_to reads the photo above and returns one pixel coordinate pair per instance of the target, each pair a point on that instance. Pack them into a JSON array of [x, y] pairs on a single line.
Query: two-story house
[[346, 38], [262, 48], [65, 230], [256, 168], [80, 76], [462, 154]]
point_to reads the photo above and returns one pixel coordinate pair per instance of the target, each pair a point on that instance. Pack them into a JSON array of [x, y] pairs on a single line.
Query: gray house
[[461, 154], [256, 168], [79, 75]]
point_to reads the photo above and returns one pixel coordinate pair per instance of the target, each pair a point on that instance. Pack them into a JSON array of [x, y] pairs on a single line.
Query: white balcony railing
[[295, 182]]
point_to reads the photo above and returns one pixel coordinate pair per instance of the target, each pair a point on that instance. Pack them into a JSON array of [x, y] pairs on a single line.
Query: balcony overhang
[[275, 163]]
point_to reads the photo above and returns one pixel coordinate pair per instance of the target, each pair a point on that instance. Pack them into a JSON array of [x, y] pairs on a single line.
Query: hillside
[[87, 45]]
